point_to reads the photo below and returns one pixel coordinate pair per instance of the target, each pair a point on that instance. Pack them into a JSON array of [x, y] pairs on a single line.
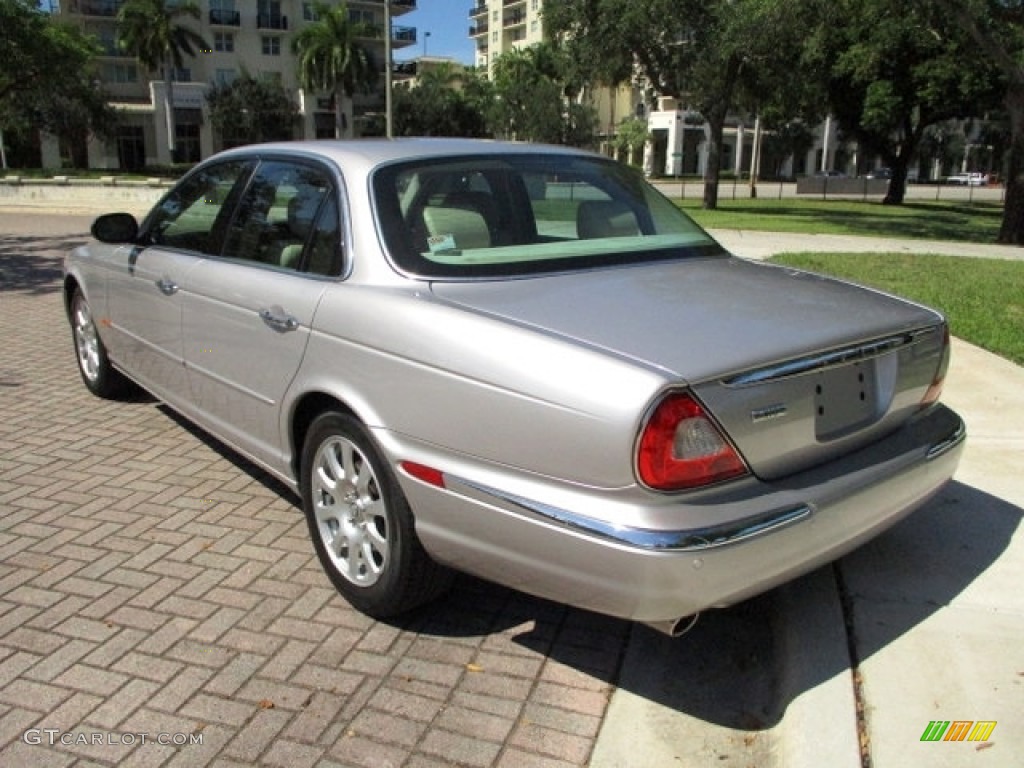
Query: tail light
[[934, 390], [681, 447]]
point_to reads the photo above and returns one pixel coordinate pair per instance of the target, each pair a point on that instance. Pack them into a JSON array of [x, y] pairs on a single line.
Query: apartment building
[[252, 36]]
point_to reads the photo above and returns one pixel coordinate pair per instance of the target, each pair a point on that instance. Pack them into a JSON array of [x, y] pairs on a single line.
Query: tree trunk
[[716, 129], [1012, 230], [342, 129]]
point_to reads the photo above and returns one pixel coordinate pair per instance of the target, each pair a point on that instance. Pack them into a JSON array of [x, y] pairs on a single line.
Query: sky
[[448, 23]]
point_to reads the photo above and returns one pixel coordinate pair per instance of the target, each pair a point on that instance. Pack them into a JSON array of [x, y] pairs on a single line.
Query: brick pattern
[[153, 582]]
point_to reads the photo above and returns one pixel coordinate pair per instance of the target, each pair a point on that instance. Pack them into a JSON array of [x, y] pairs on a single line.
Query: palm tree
[[150, 30], [331, 59]]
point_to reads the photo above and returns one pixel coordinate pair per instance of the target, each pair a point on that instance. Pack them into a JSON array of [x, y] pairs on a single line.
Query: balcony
[[403, 6], [515, 19], [225, 18], [403, 35], [271, 21], [107, 8], [478, 10], [481, 28]]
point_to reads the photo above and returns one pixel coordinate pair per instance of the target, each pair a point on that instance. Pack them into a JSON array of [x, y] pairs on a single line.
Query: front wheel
[[360, 522], [101, 378]]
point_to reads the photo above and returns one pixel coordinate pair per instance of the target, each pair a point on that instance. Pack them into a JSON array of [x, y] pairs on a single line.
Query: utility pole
[[388, 124]]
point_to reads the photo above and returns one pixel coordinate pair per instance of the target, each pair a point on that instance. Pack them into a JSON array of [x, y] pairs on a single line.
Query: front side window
[[287, 217], [522, 214], [194, 215]]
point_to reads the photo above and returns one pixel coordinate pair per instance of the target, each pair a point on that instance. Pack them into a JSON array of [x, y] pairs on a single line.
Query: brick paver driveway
[[160, 603]]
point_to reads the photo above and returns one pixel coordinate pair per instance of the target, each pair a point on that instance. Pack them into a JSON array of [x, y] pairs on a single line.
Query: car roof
[[370, 153]]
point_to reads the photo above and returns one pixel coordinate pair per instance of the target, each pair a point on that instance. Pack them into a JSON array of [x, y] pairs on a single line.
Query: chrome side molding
[[687, 540]]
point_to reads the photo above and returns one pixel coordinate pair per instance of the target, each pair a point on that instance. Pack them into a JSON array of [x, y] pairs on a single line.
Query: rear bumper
[[725, 544]]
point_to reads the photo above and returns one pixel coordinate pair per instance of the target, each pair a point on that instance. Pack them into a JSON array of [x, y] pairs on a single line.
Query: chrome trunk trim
[[686, 540], [823, 360]]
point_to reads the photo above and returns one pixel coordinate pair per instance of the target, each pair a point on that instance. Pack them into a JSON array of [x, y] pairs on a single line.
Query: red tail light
[[681, 447], [935, 388]]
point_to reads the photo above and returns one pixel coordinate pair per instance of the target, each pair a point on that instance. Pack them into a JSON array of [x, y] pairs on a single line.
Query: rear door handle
[[278, 319], [167, 286]]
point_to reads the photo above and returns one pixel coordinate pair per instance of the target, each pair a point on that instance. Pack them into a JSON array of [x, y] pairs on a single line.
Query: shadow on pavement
[[33, 264], [729, 670]]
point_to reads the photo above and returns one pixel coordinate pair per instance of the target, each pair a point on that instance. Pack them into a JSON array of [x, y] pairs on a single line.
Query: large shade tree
[[535, 98], [442, 102], [47, 77], [997, 29], [891, 69], [249, 110], [332, 59], [153, 31], [705, 53]]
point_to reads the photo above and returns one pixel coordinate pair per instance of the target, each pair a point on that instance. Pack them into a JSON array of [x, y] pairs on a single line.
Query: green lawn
[[970, 222], [983, 298]]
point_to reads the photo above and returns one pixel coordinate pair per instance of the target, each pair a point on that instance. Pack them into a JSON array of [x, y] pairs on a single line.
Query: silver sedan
[[520, 362]]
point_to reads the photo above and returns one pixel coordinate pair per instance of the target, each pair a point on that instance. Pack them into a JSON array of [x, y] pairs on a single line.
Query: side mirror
[[115, 228]]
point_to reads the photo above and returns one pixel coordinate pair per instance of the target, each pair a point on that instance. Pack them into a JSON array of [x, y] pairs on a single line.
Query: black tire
[[360, 522], [98, 375]]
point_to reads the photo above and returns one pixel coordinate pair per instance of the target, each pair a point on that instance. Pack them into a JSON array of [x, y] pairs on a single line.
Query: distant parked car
[[880, 173], [968, 179], [831, 174], [521, 362]]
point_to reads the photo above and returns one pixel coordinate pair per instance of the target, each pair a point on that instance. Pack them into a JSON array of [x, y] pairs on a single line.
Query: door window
[[195, 214], [287, 218]]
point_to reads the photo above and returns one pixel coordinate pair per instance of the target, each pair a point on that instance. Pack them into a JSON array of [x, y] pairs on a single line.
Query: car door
[[147, 287], [248, 314]]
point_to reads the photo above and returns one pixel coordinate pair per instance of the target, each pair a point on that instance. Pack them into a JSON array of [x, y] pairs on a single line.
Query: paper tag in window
[[438, 243]]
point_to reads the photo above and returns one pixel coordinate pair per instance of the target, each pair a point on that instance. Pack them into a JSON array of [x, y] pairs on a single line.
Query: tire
[[99, 376], [362, 528]]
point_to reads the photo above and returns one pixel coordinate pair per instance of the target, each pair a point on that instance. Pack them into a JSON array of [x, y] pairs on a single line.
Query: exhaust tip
[[674, 627]]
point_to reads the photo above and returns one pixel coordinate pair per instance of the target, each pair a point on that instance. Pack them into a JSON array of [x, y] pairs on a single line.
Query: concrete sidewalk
[[760, 245]]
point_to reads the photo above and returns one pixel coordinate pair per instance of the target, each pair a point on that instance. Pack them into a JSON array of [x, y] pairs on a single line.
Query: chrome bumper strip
[[951, 442], [689, 540]]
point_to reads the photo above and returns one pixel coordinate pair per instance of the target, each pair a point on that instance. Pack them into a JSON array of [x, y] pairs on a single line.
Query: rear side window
[[287, 217]]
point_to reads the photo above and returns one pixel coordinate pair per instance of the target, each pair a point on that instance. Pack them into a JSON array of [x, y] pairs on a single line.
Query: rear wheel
[[101, 378], [360, 522]]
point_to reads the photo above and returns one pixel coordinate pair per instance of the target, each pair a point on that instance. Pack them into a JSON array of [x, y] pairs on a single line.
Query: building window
[[121, 73], [309, 13], [225, 76], [271, 45], [224, 42], [181, 75], [362, 17]]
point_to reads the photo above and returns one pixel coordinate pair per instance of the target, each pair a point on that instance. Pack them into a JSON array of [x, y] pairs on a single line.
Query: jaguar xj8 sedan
[[520, 362]]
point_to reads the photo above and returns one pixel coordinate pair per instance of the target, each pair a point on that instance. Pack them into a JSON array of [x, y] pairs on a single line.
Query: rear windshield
[[523, 214]]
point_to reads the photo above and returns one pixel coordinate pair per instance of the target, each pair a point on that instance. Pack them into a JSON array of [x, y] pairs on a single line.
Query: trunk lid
[[797, 368]]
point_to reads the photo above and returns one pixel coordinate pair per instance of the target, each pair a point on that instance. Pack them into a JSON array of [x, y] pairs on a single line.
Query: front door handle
[[167, 286], [278, 319]]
